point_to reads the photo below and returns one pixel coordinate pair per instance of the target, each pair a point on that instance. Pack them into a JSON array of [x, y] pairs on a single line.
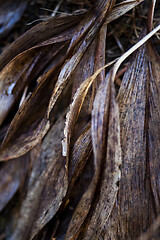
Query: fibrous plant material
[[62, 115]]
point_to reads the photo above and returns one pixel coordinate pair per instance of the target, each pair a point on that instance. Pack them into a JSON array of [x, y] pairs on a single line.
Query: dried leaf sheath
[[107, 155], [46, 209], [38, 34], [21, 71], [32, 132], [46, 188], [103, 188], [138, 200]]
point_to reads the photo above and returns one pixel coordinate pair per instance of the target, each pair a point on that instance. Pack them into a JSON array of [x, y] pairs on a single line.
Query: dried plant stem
[[150, 15], [125, 55], [56, 8], [133, 49], [23, 96]]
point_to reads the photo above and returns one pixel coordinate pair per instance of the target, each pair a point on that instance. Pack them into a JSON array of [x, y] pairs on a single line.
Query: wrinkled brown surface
[[46, 188], [80, 109], [79, 189], [21, 71], [36, 35], [90, 216], [138, 201], [107, 154], [31, 122]]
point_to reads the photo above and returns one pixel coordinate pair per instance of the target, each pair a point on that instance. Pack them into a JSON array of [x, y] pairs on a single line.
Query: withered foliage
[[79, 158]]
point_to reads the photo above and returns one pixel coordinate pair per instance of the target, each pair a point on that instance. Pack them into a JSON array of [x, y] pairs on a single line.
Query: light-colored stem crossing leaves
[[101, 133], [138, 201], [18, 142], [107, 154]]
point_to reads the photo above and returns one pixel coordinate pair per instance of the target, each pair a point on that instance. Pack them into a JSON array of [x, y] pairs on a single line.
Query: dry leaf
[[30, 123], [52, 187], [90, 216], [47, 186], [27, 66], [25, 132], [12, 176], [79, 156], [21, 71], [40, 33], [151, 233], [79, 132], [92, 60], [90, 26], [138, 199]]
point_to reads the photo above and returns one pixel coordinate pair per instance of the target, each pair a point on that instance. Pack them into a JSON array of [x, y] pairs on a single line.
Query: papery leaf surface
[[96, 204], [138, 201], [47, 185], [40, 33], [34, 128]]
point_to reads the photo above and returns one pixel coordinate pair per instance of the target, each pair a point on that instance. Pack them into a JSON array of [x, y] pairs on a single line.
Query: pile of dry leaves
[[80, 145]]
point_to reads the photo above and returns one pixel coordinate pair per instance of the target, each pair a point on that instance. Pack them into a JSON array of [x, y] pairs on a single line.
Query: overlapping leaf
[[77, 143], [27, 66], [40, 33], [90, 217], [53, 177], [81, 107], [17, 141], [12, 176], [47, 185], [21, 71], [138, 200]]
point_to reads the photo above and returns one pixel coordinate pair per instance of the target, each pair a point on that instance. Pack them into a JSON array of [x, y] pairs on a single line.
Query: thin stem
[[150, 15], [133, 49]]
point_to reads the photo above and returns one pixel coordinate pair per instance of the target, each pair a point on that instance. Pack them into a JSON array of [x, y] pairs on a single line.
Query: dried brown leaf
[[73, 114], [21, 71], [80, 147], [80, 154], [89, 62], [12, 176], [93, 59], [26, 66], [151, 233], [90, 216], [25, 132], [47, 186], [138, 200], [40, 33], [30, 123], [87, 31]]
